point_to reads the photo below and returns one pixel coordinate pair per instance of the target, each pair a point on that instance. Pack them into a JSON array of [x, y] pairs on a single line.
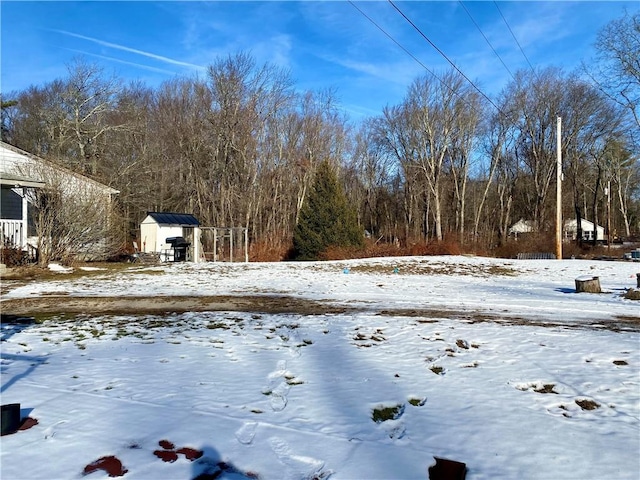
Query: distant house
[[521, 227], [158, 227], [588, 230], [23, 174]]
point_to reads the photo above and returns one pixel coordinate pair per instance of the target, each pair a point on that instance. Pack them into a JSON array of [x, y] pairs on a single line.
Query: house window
[[10, 205]]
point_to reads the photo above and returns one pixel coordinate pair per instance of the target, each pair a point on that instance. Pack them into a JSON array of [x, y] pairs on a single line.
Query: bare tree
[[467, 121], [535, 101], [498, 144], [372, 166], [617, 66], [625, 174], [589, 121], [74, 219]]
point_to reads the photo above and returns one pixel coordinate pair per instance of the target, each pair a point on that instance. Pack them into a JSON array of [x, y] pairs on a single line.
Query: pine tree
[[326, 219]]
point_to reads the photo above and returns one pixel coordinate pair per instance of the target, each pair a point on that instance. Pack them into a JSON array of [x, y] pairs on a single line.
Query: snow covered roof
[[168, 218], [522, 226], [585, 224]]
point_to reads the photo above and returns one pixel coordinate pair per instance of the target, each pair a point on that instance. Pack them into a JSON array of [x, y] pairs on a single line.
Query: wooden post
[[559, 189], [638, 279], [215, 244], [588, 284], [246, 245]]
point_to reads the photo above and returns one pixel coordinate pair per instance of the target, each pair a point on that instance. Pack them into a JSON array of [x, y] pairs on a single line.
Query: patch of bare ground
[[60, 305], [435, 268], [619, 323]]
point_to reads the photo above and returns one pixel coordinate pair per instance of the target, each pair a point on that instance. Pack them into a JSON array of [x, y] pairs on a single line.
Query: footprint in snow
[[247, 432], [280, 371], [277, 394], [298, 466], [278, 397]]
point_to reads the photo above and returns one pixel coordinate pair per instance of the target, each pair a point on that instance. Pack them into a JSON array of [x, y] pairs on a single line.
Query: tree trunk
[[588, 284]]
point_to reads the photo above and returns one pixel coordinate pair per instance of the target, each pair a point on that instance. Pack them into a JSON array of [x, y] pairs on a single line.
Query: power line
[[393, 39], [514, 37], [486, 39], [411, 55], [443, 55]]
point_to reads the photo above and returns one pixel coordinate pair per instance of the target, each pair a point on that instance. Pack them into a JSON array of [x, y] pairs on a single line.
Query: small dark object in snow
[[447, 470], [10, 418]]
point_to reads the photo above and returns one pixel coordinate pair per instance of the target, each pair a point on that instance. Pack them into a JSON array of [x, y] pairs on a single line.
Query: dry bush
[[373, 250], [444, 247], [341, 253], [531, 243], [541, 243], [263, 251], [377, 250], [587, 251], [13, 257], [477, 248]]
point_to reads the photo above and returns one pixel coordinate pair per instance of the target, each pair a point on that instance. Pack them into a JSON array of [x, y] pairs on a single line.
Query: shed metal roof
[[166, 218]]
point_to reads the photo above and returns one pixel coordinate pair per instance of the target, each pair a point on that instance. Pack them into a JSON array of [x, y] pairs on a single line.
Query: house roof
[[584, 224], [10, 180], [167, 218], [9, 152], [522, 226]]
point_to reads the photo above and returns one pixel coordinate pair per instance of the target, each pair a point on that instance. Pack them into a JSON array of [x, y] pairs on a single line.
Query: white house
[[21, 173], [588, 230], [158, 227], [520, 227]]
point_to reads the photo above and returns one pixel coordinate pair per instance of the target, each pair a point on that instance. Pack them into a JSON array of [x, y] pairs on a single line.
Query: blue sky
[[322, 44]]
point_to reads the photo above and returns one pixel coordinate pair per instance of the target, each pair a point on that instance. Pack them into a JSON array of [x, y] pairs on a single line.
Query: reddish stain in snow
[[166, 455], [190, 453], [28, 423], [166, 444], [109, 464]]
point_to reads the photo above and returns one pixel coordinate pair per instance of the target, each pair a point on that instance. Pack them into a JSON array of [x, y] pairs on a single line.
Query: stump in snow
[[588, 284], [638, 279]]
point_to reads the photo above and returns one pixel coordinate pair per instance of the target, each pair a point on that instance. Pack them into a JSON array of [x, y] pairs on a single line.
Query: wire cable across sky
[[417, 60], [443, 55]]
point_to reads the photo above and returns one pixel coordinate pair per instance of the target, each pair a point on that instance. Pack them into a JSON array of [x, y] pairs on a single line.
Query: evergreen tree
[[326, 219]]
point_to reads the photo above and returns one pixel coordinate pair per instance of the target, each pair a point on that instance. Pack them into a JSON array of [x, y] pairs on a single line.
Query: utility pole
[[559, 190], [608, 192]]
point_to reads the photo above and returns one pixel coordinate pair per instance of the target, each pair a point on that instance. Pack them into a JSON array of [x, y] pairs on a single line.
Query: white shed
[[157, 227]]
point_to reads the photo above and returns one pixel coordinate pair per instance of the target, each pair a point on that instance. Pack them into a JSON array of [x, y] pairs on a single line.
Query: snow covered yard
[[495, 363]]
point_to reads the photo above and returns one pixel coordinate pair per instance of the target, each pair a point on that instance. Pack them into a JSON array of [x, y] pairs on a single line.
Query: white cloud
[[132, 50]]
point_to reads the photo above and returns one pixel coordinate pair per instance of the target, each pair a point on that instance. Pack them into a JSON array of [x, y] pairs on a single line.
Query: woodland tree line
[[240, 147]]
